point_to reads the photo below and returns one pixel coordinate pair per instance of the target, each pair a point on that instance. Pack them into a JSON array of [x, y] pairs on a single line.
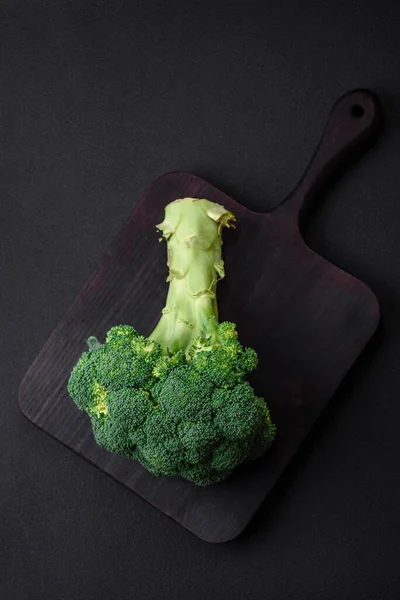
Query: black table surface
[[97, 99]]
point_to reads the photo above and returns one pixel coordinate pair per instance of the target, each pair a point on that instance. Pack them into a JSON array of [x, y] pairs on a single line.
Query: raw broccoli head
[[178, 401]]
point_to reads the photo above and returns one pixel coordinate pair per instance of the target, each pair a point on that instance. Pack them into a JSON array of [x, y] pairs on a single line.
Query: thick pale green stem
[[192, 228]]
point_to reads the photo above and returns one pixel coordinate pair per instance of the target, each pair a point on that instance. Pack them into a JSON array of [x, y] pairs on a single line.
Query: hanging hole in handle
[[357, 111]]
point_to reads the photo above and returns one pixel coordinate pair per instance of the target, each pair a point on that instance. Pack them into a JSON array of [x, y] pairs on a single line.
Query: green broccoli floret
[[178, 401]]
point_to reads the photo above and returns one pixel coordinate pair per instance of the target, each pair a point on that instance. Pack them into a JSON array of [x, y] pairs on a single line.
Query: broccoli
[[178, 401]]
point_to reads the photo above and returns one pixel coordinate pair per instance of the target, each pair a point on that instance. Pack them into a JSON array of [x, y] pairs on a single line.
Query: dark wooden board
[[307, 319]]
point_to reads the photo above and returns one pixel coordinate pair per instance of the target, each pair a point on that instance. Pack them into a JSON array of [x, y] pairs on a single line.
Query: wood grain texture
[[307, 319]]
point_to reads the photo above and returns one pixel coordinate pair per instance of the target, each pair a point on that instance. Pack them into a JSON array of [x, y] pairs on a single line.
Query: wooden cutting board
[[307, 319]]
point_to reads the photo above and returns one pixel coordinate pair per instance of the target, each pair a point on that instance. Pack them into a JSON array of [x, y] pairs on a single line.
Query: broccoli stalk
[[193, 230], [178, 401]]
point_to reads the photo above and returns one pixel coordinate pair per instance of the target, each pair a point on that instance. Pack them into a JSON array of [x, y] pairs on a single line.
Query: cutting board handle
[[352, 126]]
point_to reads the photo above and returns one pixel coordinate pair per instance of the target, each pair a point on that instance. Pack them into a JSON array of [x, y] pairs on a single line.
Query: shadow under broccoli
[[178, 401]]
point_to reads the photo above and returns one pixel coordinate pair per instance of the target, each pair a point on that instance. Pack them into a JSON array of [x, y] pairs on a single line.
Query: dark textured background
[[99, 98]]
